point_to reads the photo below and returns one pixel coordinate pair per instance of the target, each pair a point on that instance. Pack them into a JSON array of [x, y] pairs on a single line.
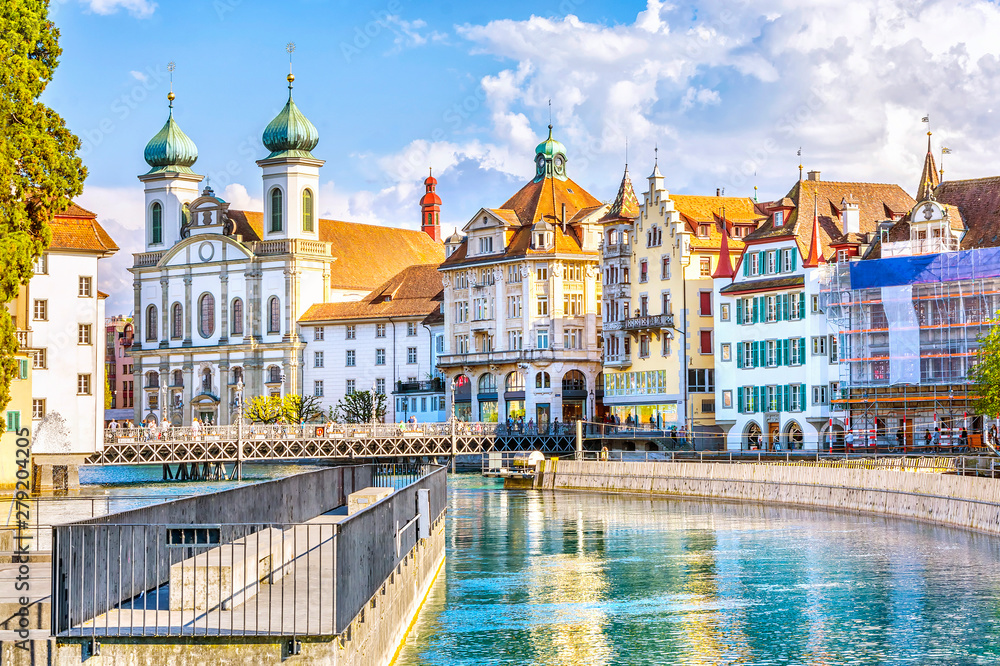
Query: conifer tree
[[39, 169]]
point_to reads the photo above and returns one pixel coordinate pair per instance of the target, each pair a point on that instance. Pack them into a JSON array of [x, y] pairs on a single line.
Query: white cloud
[[701, 97], [139, 76], [409, 34], [240, 199], [137, 8]]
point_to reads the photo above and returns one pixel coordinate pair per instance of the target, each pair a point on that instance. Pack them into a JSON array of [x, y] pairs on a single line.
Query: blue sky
[[728, 91]]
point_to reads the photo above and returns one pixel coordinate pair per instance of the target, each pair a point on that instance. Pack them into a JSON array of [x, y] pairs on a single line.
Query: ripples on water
[[572, 578]]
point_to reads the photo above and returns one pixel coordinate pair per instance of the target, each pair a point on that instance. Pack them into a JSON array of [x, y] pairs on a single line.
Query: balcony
[[620, 361], [146, 259], [23, 338], [435, 385], [616, 251], [648, 322]]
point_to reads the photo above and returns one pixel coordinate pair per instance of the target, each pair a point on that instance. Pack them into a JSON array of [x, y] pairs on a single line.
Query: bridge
[[218, 445]]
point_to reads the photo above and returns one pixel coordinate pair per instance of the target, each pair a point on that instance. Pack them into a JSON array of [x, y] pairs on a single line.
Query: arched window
[[274, 315], [156, 223], [488, 383], [177, 321], [206, 380], [206, 315], [542, 380], [152, 379], [514, 382], [151, 324], [237, 326], [276, 210], [273, 375], [178, 378], [237, 375], [307, 210], [574, 381]]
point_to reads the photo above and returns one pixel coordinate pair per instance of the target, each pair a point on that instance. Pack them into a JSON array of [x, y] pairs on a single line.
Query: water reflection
[[575, 578]]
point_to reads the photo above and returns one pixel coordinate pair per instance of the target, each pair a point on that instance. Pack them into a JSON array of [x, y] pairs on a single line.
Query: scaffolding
[[908, 328]]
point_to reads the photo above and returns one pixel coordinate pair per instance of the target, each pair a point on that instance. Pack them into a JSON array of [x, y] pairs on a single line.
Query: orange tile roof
[[876, 202], [626, 205], [698, 210], [366, 254], [978, 200], [415, 291], [544, 198], [78, 229]]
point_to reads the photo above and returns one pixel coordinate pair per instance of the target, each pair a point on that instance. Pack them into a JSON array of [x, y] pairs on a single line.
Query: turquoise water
[[575, 578]]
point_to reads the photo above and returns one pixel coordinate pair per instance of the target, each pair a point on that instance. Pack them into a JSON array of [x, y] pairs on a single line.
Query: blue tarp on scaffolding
[[925, 268]]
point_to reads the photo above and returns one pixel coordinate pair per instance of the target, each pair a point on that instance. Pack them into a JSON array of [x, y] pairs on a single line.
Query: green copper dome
[[170, 149], [550, 147], [290, 134], [550, 159]]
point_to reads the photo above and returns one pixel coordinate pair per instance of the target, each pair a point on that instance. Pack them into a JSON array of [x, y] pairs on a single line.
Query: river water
[[579, 578]]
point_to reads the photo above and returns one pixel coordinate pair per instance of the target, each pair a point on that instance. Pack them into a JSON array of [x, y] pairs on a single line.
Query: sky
[[728, 91]]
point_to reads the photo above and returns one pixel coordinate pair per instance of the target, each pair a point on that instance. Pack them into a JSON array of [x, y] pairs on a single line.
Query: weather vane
[[290, 47], [171, 66]]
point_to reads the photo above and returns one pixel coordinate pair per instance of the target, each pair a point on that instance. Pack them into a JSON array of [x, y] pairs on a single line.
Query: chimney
[[850, 215], [814, 175], [717, 191], [564, 218]]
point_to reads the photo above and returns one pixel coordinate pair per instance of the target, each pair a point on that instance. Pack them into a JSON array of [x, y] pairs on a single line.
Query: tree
[[357, 408], [39, 169], [301, 409], [264, 409], [985, 373], [109, 397]]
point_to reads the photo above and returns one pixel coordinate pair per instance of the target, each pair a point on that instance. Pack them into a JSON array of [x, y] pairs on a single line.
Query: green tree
[[985, 373], [264, 409], [301, 409], [39, 169], [357, 408], [109, 397]]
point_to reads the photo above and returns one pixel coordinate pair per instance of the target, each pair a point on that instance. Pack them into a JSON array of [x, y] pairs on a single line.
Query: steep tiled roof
[[415, 291], [436, 317], [626, 205], [876, 202], [929, 176], [766, 284], [707, 209], [78, 229], [978, 200], [366, 254], [544, 198]]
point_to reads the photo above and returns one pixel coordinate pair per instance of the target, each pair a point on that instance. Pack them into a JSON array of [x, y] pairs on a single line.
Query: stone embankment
[[947, 499]]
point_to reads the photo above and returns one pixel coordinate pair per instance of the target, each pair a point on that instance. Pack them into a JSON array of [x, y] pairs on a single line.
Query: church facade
[[218, 292]]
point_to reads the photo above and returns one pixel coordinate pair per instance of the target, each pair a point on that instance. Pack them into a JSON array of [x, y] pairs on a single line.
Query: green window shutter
[[788, 395], [739, 354], [756, 353], [746, 265], [802, 396], [786, 300], [762, 263], [795, 256], [739, 399], [23, 368], [761, 395], [739, 310], [802, 305], [756, 308], [13, 421], [786, 345]]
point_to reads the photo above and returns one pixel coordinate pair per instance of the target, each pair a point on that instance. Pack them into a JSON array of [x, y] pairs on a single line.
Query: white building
[[776, 357], [66, 333], [219, 292], [385, 342], [522, 302]]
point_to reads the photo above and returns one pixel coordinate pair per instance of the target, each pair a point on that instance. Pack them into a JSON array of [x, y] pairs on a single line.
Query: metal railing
[[176, 569]]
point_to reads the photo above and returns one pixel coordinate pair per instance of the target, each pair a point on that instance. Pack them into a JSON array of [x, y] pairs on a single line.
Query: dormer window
[[486, 245], [702, 231], [779, 218]]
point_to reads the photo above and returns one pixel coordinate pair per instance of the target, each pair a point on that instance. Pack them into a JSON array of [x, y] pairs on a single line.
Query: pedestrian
[[936, 440], [849, 441], [195, 427], [555, 426], [927, 437], [531, 426]]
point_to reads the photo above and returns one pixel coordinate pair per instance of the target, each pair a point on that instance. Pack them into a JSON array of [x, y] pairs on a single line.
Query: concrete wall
[[960, 501]]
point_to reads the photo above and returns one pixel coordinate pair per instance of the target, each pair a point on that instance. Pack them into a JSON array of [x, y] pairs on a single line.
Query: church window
[[273, 375], [156, 223], [177, 321], [237, 316], [206, 318], [307, 210], [151, 327], [178, 378], [274, 315], [276, 222]]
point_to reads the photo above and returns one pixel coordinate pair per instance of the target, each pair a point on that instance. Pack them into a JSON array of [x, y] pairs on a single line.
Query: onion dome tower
[[290, 174], [430, 209], [170, 184], [550, 159]]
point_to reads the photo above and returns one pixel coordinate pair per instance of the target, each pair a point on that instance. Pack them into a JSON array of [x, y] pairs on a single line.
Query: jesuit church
[[219, 292]]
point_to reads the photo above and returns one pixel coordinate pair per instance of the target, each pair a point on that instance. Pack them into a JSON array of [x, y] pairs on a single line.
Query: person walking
[[849, 441], [936, 439], [927, 437]]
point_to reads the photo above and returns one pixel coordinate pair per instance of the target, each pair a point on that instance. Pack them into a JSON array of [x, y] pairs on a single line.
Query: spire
[[626, 205], [929, 178], [290, 134], [550, 159], [170, 149], [725, 267], [430, 208], [815, 257], [656, 164], [800, 163]]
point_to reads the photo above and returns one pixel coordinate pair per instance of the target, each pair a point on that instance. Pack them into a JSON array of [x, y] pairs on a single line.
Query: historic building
[[17, 412], [118, 369], [219, 292], [382, 343], [659, 258], [777, 357], [64, 335], [522, 303]]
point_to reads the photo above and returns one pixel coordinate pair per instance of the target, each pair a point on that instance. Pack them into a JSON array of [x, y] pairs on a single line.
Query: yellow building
[[658, 260], [17, 413]]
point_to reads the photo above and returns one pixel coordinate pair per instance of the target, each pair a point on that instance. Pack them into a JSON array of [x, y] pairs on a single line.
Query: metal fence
[[267, 559]]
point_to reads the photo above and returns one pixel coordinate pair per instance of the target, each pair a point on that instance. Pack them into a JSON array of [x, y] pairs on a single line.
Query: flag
[[946, 151], [925, 119]]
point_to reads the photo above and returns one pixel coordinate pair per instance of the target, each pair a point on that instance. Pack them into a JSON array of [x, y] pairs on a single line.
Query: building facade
[[118, 369], [219, 292], [522, 303], [777, 357], [381, 344]]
